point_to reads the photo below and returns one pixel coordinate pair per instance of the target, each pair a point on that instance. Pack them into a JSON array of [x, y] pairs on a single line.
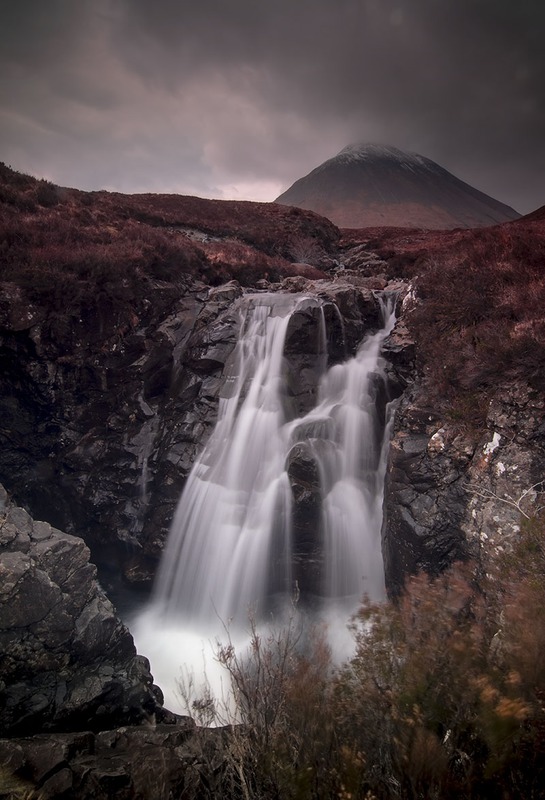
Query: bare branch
[[515, 502]]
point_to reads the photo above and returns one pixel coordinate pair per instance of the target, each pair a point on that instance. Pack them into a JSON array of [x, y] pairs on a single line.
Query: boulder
[[67, 662], [152, 763]]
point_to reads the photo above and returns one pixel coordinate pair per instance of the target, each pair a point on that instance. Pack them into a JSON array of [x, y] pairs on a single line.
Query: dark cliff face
[[467, 457], [453, 494], [82, 403]]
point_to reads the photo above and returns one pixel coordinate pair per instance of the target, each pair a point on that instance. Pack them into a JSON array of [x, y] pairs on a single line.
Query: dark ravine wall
[[103, 412], [102, 434]]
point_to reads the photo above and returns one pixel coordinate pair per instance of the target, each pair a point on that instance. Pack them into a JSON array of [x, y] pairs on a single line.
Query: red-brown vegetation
[[479, 317], [65, 243], [453, 680], [442, 700]]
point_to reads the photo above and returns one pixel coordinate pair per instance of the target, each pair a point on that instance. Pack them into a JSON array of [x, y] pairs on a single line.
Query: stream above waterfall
[[283, 507]]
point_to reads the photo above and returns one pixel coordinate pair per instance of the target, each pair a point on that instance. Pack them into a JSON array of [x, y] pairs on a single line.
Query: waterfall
[[236, 501], [232, 544]]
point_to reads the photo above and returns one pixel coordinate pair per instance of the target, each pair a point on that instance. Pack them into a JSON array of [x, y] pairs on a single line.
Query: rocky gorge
[[110, 383]]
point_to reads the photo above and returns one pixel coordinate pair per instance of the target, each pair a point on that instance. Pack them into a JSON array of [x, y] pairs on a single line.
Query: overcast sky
[[237, 99]]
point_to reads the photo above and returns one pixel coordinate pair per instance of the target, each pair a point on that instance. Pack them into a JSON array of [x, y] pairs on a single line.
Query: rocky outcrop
[[306, 487], [452, 494], [78, 708], [149, 763], [67, 662], [81, 402], [424, 497], [103, 413], [505, 481]]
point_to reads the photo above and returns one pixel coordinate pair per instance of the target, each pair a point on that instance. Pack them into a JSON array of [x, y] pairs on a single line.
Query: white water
[[231, 538]]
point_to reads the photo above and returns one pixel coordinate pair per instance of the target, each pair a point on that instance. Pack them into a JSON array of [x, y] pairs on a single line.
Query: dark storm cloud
[[243, 97]]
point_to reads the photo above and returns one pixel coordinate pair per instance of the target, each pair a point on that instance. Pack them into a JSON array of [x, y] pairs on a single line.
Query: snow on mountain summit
[[355, 153]]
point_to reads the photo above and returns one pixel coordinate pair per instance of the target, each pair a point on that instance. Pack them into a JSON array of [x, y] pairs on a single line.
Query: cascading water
[[231, 545], [237, 498]]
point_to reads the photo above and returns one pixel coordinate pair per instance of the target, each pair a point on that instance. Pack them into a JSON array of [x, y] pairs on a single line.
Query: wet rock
[[66, 660], [400, 354], [151, 763], [91, 406], [306, 358], [424, 496], [450, 495], [505, 482], [358, 312], [364, 261], [16, 313], [305, 484]]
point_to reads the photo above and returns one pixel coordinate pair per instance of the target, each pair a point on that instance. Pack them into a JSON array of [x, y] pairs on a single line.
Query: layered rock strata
[[167, 761]]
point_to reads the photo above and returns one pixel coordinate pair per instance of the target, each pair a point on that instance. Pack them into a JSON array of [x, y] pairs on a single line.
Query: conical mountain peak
[[369, 184]]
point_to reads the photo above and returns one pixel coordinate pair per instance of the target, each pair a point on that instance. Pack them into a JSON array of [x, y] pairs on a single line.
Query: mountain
[[369, 185]]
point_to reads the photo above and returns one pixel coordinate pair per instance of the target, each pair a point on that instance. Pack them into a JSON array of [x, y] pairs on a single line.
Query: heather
[[443, 698], [477, 315], [120, 243]]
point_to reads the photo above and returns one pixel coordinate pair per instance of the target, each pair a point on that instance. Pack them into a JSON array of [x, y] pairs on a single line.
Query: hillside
[[481, 293], [47, 230], [374, 185]]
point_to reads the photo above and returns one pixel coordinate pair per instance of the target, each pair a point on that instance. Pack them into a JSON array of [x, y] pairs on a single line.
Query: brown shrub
[[443, 699], [445, 695], [286, 746], [480, 318]]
